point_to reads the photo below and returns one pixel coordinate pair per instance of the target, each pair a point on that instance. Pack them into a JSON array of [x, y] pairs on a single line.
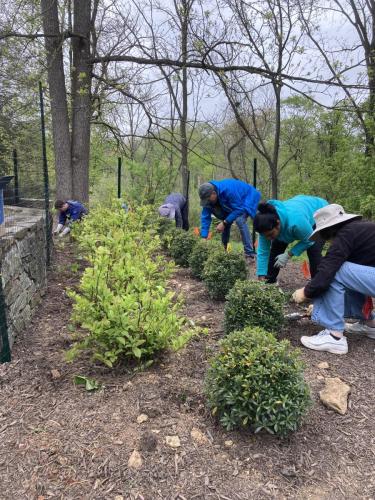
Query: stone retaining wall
[[23, 266]]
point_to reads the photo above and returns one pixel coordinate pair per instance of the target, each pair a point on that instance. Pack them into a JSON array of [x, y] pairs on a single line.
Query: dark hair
[[59, 204], [266, 218]]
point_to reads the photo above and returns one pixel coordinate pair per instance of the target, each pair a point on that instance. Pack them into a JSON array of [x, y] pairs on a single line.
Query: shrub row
[[122, 305]]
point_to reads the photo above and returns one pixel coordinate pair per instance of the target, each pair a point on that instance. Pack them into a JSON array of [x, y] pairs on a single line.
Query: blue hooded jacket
[[75, 212], [296, 223], [235, 198]]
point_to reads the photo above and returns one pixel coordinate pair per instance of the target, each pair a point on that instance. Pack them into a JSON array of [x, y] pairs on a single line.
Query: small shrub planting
[[256, 381], [221, 270], [253, 303], [165, 226], [181, 246], [200, 254]]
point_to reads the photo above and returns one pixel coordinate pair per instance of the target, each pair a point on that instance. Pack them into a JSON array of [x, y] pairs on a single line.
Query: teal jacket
[[297, 220]]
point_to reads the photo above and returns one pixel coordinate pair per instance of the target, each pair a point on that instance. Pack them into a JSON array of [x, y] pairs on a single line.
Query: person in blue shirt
[[280, 223], [175, 208], [229, 200], [69, 211]]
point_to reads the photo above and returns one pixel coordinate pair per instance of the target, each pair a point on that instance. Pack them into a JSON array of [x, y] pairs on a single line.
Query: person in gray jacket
[[175, 207]]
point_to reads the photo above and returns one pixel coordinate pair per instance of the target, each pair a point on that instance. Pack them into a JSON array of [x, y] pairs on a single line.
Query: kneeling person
[[69, 211]]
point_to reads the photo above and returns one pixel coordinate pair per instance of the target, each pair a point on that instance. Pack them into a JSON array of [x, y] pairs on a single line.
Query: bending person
[[280, 223], [230, 201], [175, 208], [344, 281], [69, 211]]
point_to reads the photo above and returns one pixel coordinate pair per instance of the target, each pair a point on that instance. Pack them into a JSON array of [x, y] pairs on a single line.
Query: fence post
[[45, 178], [119, 164], [5, 356], [15, 173], [255, 185]]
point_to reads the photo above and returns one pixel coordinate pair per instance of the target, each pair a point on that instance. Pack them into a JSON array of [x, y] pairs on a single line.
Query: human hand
[[220, 227], [282, 260], [299, 296]]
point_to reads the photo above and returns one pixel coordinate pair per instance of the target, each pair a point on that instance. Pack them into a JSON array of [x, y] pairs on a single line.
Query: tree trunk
[[183, 120], [59, 106], [81, 100]]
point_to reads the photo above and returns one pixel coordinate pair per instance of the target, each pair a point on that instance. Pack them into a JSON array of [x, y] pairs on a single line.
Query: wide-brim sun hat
[[329, 216], [167, 210], [205, 190]]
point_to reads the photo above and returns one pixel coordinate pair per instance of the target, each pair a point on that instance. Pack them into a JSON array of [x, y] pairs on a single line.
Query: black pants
[[314, 254], [185, 217]]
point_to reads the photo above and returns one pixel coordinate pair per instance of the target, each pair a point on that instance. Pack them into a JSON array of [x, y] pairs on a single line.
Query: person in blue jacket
[[175, 208], [229, 200], [280, 223], [69, 211]]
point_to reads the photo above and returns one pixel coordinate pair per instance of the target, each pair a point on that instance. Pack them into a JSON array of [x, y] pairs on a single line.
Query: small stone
[[142, 418], [168, 375], [335, 395], [55, 374], [173, 441], [62, 460], [198, 436], [320, 377], [323, 365], [119, 443], [228, 443], [118, 497], [135, 461]]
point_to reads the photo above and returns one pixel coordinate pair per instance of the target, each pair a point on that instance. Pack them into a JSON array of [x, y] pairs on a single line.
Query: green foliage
[[367, 207], [165, 226], [253, 303], [257, 382], [123, 304], [200, 254], [221, 270], [181, 246], [89, 383]]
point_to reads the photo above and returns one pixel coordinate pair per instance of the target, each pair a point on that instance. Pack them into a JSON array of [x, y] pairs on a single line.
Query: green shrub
[[221, 270], [122, 303], [257, 382], [165, 225], [200, 254], [181, 246], [253, 303]]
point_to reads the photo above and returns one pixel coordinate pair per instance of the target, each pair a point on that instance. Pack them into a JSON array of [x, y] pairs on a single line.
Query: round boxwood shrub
[[253, 303], [165, 225], [221, 270], [256, 381], [200, 254], [181, 246]]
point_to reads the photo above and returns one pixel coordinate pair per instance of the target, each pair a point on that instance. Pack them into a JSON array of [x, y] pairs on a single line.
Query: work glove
[[299, 296], [58, 228], [63, 233], [282, 260]]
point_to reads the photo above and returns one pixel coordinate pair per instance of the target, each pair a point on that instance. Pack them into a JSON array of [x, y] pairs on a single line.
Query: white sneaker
[[360, 327], [323, 341]]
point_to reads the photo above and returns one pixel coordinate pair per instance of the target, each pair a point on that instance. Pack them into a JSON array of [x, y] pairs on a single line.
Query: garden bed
[[59, 441]]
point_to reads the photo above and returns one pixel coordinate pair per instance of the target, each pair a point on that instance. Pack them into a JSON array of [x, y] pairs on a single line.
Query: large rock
[[335, 395]]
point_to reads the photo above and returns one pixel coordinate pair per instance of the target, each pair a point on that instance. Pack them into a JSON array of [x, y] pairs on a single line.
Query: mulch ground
[[59, 441]]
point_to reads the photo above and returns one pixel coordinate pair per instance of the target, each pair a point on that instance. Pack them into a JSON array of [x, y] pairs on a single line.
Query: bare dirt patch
[[59, 441]]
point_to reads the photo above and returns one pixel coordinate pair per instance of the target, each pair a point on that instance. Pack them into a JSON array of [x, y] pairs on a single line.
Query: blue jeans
[[345, 297], [241, 222]]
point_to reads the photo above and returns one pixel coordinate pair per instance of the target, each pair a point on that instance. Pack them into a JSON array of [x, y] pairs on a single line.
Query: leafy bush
[[122, 303], [181, 246], [253, 303], [221, 270], [257, 382], [200, 254], [165, 225]]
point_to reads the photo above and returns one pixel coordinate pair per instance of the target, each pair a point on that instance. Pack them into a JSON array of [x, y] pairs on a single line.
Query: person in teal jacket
[[229, 200], [280, 223]]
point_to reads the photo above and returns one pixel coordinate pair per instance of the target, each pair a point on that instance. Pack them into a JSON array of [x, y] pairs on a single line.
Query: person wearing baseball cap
[[344, 282], [229, 200], [175, 208]]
